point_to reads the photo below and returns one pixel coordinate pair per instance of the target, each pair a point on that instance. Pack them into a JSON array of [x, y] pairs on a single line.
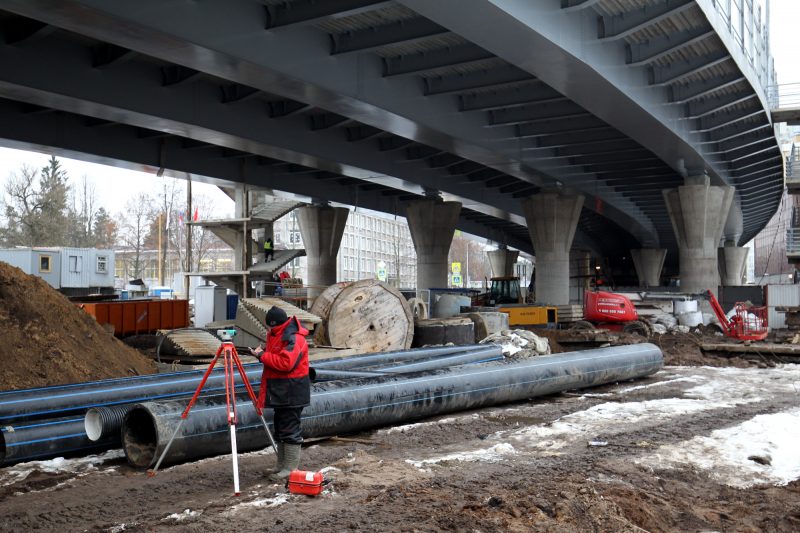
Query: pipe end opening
[[139, 438], [93, 424]]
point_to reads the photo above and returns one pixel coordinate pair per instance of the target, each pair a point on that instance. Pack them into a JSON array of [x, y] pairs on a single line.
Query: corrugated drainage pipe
[[342, 407]]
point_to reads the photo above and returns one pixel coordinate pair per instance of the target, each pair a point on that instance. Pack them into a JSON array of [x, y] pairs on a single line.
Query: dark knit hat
[[276, 316]]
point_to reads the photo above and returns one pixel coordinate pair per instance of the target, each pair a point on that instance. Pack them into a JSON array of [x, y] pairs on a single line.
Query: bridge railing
[[749, 31], [784, 96], [793, 242], [793, 175]]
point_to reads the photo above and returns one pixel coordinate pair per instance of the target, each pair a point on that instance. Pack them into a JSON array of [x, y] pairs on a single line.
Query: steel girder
[[296, 63], [67, 134]]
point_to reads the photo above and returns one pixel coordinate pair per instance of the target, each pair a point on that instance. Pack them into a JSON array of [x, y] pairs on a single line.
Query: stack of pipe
[[51, 421], [348, 406]]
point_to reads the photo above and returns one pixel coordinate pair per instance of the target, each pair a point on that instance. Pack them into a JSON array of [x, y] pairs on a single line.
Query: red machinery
[[747, 323], [613, 311]]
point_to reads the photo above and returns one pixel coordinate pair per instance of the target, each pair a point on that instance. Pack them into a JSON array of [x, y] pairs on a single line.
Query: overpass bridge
[[550, 126]]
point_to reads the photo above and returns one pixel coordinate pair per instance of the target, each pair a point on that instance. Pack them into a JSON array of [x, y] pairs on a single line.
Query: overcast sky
[[115, 185]]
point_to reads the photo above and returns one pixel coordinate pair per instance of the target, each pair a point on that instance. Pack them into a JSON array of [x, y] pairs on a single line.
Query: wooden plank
[[754, 348]]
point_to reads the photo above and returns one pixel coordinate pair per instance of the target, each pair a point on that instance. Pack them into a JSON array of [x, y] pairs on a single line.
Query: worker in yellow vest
[[269, 249]]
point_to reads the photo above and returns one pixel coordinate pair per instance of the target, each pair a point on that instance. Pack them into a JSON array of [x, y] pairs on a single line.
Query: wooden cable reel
[[366, 315]]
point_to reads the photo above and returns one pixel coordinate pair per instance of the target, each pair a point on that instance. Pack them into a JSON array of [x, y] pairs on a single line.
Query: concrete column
[[552, 220], [732, 262], [432, 224], [698, 212], [648, 263], [322, 228], [502, 262]]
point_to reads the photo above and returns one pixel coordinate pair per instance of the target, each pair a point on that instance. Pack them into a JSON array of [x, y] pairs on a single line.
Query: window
[[294, 237], [102, 264], [75, 263], [44, 263], [276, 238]]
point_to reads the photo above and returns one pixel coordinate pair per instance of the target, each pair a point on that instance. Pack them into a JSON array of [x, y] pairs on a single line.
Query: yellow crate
[[530, 315]]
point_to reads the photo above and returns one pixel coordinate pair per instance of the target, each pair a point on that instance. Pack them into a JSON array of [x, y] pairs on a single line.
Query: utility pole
[[189, 231], [160, 265]]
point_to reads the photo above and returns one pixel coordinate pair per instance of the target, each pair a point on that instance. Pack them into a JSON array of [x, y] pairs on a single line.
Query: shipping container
[[42, 262], [780, 296], [140, 317]]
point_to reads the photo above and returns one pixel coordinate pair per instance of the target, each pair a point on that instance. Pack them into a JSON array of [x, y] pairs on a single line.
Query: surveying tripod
[[231, 362]]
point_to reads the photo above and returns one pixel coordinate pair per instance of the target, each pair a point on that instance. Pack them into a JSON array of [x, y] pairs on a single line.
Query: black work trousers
[[286, 421]]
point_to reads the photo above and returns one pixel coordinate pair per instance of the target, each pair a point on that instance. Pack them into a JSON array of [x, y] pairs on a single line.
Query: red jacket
[[285, 381]]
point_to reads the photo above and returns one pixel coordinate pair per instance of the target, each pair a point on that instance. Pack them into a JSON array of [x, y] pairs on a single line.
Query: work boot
[[291, 460], [279, 458]]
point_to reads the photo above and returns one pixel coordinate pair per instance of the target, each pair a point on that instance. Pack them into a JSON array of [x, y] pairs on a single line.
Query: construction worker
[[269, 249], [285, 385]]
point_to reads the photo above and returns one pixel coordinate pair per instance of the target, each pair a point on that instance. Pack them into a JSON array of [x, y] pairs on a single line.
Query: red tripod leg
[[253, 398], [186, 412]]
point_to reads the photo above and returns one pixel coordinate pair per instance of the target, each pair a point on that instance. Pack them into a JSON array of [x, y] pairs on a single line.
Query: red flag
[[196, 215]]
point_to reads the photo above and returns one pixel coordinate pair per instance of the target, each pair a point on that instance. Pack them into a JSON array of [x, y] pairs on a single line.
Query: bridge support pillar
[[698, 212], [502, 262], [648, 263], [732, 261], [552, 219], [432, 224], [322, 228]]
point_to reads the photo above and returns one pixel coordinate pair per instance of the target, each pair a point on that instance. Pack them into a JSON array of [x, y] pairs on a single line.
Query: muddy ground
[[634, 456]]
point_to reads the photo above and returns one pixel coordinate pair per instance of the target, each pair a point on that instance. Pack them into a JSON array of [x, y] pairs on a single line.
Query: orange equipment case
[[305, 482]]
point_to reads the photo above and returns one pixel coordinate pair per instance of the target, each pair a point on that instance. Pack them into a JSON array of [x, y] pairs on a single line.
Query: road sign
[[382, 274], [455, 268], [457, 280]]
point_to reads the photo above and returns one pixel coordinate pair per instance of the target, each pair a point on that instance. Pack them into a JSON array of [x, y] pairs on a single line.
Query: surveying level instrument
[[232, 364]]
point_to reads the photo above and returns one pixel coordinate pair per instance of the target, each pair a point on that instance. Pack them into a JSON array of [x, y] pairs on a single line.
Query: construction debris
[[519, 343]]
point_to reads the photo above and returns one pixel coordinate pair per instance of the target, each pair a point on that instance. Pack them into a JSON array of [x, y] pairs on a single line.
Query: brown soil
[[47, 340], [374, 487]]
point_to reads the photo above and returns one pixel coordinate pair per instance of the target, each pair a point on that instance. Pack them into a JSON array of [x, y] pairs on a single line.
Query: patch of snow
[[177, 517], [19, 472], [489, 455], [761, 450], [656, 384], [329, 469], [279, 499], [410, 427]]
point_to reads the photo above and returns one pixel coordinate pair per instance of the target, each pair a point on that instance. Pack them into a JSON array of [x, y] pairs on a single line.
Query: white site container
[[210, 305]]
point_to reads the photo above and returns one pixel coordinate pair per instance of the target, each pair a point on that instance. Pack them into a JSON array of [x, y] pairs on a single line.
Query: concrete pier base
[[502, 262], [552, 220], [322, 228], [732, 263], [698, 212], [432, 224], [648, 263]]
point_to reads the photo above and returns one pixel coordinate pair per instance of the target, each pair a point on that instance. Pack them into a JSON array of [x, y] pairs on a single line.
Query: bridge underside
[[376, 103]]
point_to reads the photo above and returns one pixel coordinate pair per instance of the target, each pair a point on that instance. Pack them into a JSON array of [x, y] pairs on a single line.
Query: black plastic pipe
[[107, 420], [76, 399], [45, 439], [343, 407]]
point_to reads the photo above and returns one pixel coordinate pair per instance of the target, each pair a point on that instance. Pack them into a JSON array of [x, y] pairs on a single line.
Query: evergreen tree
[[35, 206]]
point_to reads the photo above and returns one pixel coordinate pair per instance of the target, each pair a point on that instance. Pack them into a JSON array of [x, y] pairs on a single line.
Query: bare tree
[[203, 241], [82, 213], [136, 221]]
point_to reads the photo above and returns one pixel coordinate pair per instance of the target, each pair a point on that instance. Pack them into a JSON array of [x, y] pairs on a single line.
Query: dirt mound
[[46, 340]]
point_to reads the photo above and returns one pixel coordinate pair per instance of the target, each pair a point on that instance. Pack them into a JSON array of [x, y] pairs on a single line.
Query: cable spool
[[366, 315]]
